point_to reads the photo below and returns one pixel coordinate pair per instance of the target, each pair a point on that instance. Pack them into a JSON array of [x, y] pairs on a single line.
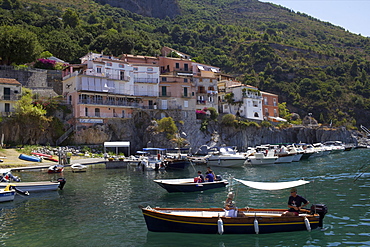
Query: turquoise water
[[100, 207]]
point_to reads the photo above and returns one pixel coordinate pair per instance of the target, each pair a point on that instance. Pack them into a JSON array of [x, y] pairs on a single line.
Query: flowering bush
[[43, 63], [200, 112]]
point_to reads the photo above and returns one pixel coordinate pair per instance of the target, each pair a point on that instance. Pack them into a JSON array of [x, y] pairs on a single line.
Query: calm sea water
[[100, 207]]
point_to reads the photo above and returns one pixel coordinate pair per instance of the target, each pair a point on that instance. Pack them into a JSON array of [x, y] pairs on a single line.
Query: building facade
[[10, 92]]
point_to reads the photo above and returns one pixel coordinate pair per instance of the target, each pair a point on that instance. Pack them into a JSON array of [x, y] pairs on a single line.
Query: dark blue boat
[[188, 185]]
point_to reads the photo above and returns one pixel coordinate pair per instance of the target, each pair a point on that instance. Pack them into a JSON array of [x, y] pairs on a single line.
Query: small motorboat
[[37, 186], [188, 185], [7, 194], [55, 169], [78, 168]]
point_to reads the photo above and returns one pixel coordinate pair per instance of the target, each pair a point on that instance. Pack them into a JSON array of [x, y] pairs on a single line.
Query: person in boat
[[209, 171], [295, 203], [200, 178], [229, 203]]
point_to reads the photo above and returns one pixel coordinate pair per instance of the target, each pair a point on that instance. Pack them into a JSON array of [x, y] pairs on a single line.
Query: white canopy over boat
[[272, 185]]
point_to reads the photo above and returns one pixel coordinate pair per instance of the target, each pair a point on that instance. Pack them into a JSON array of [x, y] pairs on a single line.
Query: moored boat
[[38, 186], [78, 168], [7, 194], [225, 157], [55, 169], [188, 185]]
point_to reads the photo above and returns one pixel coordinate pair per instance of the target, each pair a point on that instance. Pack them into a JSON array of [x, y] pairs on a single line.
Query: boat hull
[[158, 221], [187, 185], [173, 164], [29, 158], [7, 196], [34, 186], [226, 162]]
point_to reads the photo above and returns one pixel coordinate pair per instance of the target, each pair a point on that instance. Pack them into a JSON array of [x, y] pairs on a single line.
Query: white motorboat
[[335, 146], [297, 151], [225, 157], [262, 159], [151, 164], [320, 150], [283, 155], [78, 168]]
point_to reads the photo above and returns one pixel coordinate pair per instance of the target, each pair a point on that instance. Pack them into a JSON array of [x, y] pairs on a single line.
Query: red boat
[[56, 169], [42, 155]]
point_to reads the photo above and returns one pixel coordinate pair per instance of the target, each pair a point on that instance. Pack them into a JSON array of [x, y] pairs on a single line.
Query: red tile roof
[[9, 81]]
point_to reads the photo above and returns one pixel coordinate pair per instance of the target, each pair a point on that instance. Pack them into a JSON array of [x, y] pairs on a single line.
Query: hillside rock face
[[141, 131], [152, 8]]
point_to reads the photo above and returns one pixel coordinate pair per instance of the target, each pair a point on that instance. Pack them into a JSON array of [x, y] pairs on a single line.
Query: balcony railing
[[109, 102], [146, 80], [10, 97], [166, 94]]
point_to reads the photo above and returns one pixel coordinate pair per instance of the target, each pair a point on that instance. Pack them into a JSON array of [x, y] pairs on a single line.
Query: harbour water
[[100, 207]]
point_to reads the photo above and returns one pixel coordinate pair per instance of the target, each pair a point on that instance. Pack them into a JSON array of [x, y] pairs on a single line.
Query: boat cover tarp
[[272, 185]]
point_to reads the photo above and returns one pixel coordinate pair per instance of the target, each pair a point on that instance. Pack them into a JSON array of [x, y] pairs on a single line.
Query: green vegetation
[[312, 65]]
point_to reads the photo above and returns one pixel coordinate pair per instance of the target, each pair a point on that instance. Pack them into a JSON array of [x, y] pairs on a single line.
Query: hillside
[[312, 65]]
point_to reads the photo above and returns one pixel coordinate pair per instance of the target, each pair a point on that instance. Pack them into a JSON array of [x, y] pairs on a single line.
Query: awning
[[214, 70], [116, 144], [200, 67], [272, 185]]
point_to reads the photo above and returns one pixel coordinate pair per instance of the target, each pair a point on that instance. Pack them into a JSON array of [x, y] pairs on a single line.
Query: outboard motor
[[321, 210], [62, 182], [218, 178]]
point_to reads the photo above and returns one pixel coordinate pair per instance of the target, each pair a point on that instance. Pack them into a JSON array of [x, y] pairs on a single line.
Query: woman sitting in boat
[[230, 209], [295, 203]]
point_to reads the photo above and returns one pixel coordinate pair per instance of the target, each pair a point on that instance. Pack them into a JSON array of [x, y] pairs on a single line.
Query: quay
[[89, 161]]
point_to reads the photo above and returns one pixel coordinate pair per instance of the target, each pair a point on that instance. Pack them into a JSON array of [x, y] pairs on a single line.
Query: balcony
[[109, 102], [146, 80], [165, 94], [10, 97]]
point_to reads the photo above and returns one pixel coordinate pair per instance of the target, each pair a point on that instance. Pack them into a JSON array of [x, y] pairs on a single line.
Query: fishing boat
[[240, 221], [29, 158], [37, 186], [55, 169], [78, 168], [188, 185]]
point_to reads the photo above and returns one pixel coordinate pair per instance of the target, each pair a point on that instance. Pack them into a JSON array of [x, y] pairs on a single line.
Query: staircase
[[367, 131], [64, 136]]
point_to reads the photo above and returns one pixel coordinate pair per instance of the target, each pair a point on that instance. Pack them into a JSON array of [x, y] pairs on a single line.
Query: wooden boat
[[188, 185], [241, 221], [38, 186], [55, 169], [29, 158], [78, 168]]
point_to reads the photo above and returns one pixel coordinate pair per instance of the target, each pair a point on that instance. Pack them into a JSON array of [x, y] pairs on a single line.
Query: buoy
[[256, 227], [220, 226], [307, 222]]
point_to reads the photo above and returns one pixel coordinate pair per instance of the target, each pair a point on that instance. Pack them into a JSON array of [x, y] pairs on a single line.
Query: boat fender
[[62, 182], [256, 227], [307, 222], [220, 226]]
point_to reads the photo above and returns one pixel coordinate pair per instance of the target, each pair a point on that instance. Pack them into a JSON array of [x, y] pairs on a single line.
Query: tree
[[18, 45], [71, 18], [30, 118]]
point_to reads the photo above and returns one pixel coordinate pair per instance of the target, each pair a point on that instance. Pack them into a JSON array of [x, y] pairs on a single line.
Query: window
[[121, 65], [98, 70], [7, 107], [186, 67], [256, 114], [164, 91], [164, 78], [274, 102], [122, 75], [177, 65], [185, 92], [265, 100], [186, 104], [275, 113], [185, 79], [97, 112], [109, 64], [255, 103], [6, 93], [149, 69], [123, 113], [86, 111], [136, 68]]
